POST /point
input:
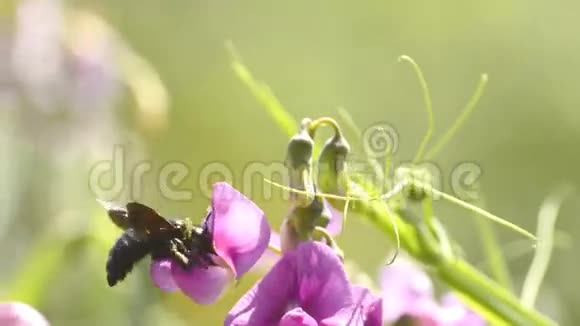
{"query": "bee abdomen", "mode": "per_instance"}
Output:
(124, 254)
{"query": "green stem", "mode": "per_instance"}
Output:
(460, 119)
(494, 254)
(485, 296)
(428, 106)
(477, 290)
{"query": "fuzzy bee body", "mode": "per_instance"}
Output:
(124, 254)
(148, 233)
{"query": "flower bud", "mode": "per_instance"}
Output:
(332, 169)
(419, 182)
(301, 222)
(307, 218)
(299, 164)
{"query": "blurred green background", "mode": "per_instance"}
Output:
(316, 56)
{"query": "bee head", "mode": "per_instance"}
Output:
(187, 228)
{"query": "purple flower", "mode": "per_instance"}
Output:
(307, 287)
(239, 233)
(20, 314)
(408, 296)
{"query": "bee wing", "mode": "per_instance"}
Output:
(117, 214)
(145, 219)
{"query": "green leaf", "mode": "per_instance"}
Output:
(263, 94)
(545, 233)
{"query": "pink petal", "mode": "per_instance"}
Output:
(204, 286)
(405, 287)
(240, 230)
(371, 306)
(323, 288)
(20, 314)
(425, 313)
(161, 275)
(453, 312)
(366, 310)
(275, 240)
(297, 317)
(270, 257)
(266, 302)
(334, 227)
(310, 277)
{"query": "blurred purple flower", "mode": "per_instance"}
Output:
(20, 314)
(38, 58)
(239, 233)
(307, 287)
(92, 65)
(65, 77)
(62, 66)
(454, 312)
(408, 298)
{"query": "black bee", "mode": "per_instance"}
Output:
(148, 233)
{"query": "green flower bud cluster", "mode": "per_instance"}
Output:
(309, 215)
(417, 180)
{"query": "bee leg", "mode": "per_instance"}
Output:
(180, 246)
(183, 260)
(179, 256)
